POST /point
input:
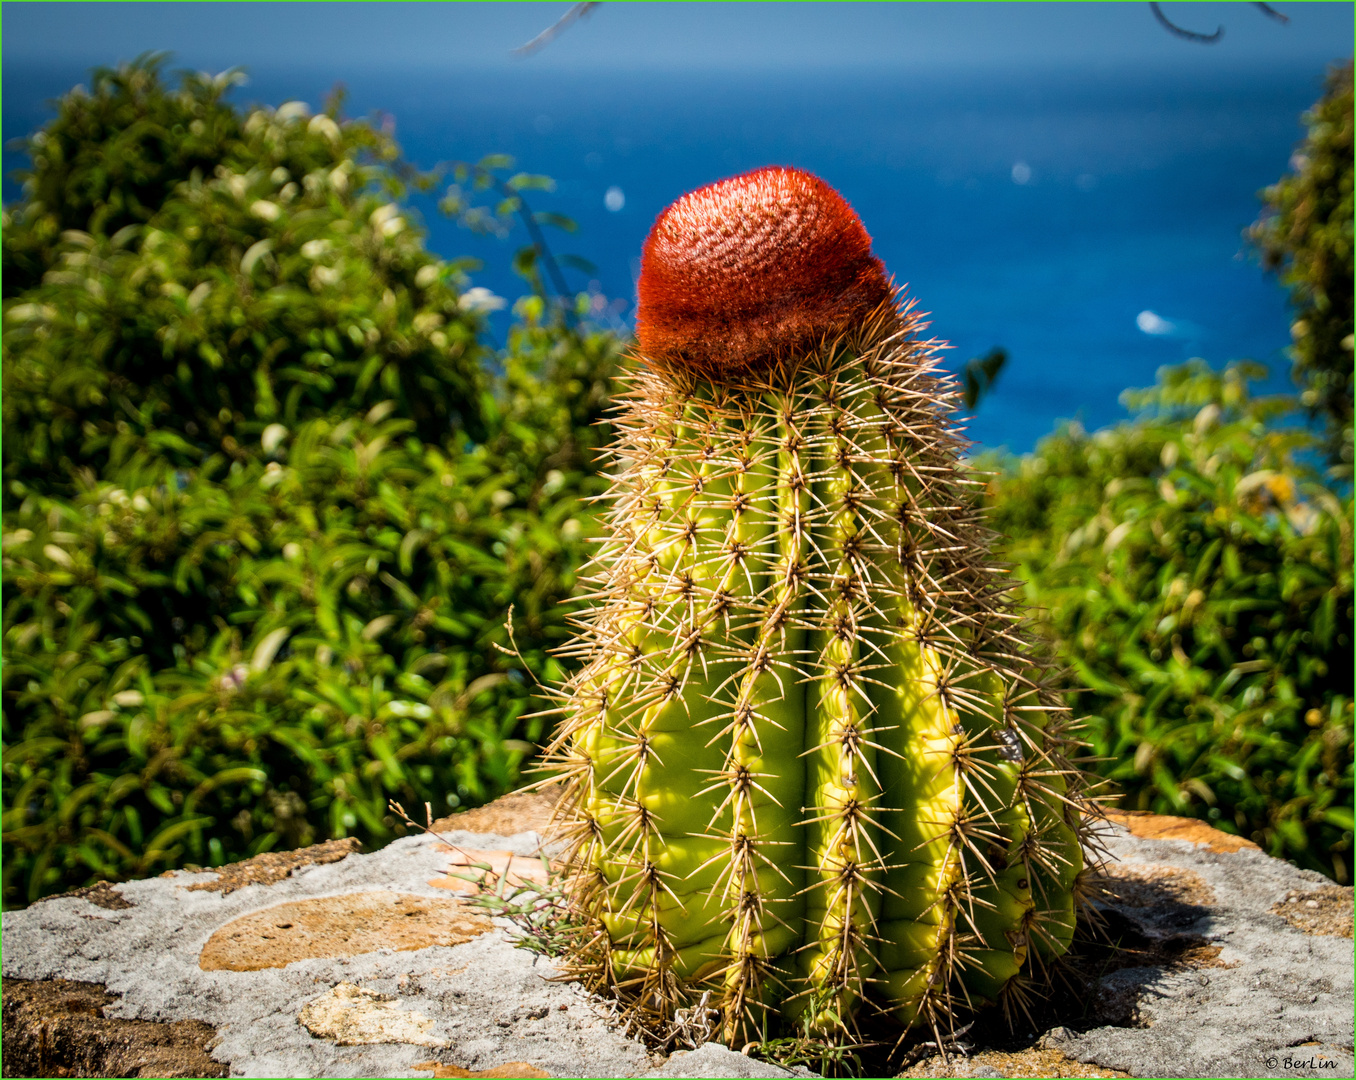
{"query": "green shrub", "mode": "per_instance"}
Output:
(266, 511)
(1306, 235)
(112, 156)
(282, 283)
(353, 592)
(1196, 576)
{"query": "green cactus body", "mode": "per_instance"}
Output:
(811, 762)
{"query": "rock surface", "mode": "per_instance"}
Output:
(1249, 992)
(57, 1028)
(325, 962)
(336, 926)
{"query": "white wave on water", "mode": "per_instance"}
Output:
(1153, 323)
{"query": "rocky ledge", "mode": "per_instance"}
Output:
(1217, 961)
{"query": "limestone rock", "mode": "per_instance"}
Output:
(1227, 963)
(352, 1016)
(1223, 985)
(713, 1059)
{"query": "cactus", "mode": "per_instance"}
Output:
(812, 760)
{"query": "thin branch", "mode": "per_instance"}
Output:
(577, 11)
(1190, 35)
(534, 232)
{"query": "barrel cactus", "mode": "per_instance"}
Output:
(812, 760)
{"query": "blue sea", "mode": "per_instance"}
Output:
(1089, 222)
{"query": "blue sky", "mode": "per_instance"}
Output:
(458, 35)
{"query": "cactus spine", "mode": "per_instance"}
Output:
(811, 759)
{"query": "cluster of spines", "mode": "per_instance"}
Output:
(798, 623)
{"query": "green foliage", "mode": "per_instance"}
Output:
(277, 284)
(112, 157)
(1306, 234)
(1196, 575)
(315, 633)
(265, 511)
(980, 375)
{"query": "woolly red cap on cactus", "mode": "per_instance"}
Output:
(751, 267)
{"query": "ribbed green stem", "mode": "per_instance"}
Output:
(767, 726)
(671, 877)
(809, 765)
(842, 778)
(999, 823)
(919, 766)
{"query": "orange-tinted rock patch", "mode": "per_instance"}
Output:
(518, 811)
(273, 866)
(509, 1069)
(1165, 827)
(471, 870)
(336, 926)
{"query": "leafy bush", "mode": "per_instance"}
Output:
(1196, 575)
(353, 591)
(280, 284)
(1306, 234)
(112, 157)
(265, 509)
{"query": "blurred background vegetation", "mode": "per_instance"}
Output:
(1192, 566)
(269, 499)
(268, 496)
